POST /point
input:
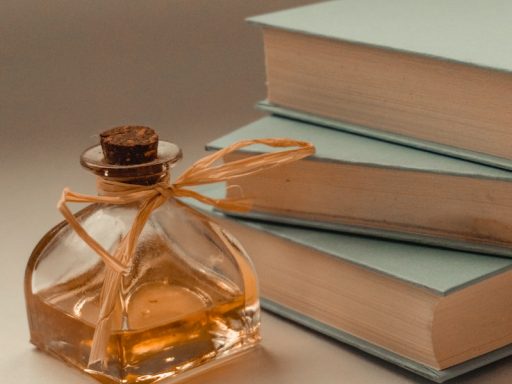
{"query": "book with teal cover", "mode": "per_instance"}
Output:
(438, 270)
(473, 33)
(336, 147)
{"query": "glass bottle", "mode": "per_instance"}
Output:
(189, 300)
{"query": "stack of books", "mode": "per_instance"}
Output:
(396, 236)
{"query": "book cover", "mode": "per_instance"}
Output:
(472, 32)
(433, 186)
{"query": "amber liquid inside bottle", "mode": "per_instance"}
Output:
(169, 317)
(191, 340)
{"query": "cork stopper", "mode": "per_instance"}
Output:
(131, 154)
(129, 145)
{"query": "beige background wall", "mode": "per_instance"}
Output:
(69, 69)
(72, 68)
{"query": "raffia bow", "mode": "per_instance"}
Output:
(153, 196)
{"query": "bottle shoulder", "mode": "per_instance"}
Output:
(175, 234)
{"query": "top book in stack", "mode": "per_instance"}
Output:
(432, 76)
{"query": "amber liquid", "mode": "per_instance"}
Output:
(158, 346)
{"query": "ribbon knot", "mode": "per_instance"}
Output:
(150, 197)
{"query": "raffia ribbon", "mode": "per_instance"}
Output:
(153, 196)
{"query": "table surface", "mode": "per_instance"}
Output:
(192, 69)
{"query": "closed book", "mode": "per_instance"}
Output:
(439, 313)
(432, 74)
(367, 186)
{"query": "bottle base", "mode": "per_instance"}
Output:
(174, 375)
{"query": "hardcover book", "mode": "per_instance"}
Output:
(436, 312)
(429, 74)
(367, 186)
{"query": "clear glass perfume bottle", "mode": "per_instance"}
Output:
(190, 298)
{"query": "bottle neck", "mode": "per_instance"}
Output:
(106, 185)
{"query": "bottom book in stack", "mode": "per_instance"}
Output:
(436, 312)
